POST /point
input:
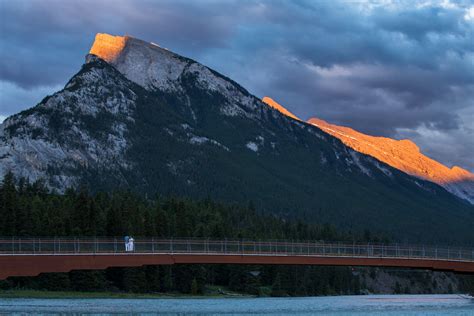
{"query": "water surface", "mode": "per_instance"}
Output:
(337, 305)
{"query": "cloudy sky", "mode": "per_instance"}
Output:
(397, 69)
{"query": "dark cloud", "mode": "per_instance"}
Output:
(397, 69)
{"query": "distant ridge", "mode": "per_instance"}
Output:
(402, 154)
(405, 156)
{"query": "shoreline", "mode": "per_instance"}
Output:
(5, 294)
(40, 294)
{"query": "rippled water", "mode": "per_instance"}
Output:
(337, 305)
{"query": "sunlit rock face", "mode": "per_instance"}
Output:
(272, 103)
(405, 156)
(108, 47)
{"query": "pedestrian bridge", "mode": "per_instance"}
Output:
(32, 256)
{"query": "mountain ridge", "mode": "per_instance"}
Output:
(406, 156)
(403, 155)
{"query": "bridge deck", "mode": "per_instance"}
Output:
(29, 257)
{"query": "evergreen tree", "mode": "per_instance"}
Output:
(277, 289)
(194, 287)
(8, 206)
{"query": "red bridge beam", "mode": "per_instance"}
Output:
(32, 265)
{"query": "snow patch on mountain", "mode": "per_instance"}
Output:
(252, 146)
(199, 140)
(383, 169)
(357, 160)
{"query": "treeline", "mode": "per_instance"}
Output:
(31, 210)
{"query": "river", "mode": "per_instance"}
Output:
(335, 305)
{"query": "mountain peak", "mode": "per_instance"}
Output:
(108, 47)
(409, 145)
(462, 172)
(273, 104)
(144, 63)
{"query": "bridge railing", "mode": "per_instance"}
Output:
(60, 246)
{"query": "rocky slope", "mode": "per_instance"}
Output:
(139, 117)
(403, 155)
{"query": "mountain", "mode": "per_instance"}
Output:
(403, 155)
(139, 117)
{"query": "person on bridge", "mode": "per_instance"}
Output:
(131, 244)
(127, 243)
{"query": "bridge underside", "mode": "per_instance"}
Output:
(32, 265)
